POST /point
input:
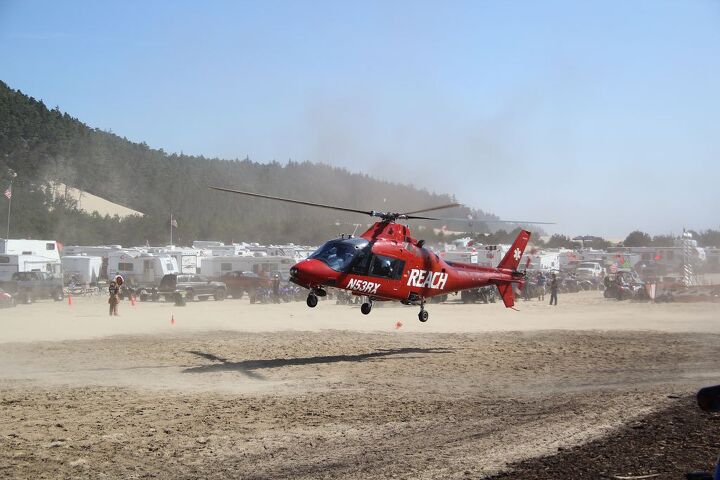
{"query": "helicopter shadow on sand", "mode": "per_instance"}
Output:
(249, 367)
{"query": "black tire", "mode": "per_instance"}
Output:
(58, 295)
(237, 294)
(365, 308)
(219, 295)
(312, 300)
(423, 316)
(190, 295)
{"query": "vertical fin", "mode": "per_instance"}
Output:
(511, 260)
(506, 292)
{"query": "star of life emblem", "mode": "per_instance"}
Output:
(517, 254)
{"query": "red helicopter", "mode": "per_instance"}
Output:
(387, 263)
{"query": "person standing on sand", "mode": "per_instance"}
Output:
(276, 288)
(541, 286)
(553, 290)
(114, 299)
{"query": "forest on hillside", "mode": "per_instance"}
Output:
(43, 145)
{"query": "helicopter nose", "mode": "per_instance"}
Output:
(310, 273)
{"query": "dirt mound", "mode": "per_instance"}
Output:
(665, 445)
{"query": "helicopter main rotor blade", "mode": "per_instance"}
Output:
(477, 220)
(430, 209)
(289, 200)
(418, 217)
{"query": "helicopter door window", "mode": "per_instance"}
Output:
(361, 262)
(386, 267)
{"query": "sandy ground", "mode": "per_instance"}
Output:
(92, 203)
(234, 390)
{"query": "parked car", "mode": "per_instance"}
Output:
(239, 283)
(192, 286)
(6, 300)
(29, 286)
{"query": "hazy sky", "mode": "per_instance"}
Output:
(602, 116)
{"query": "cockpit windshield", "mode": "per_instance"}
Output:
(339, 254)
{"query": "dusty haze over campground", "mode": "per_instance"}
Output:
(601, 116)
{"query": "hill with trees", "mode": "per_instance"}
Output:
(45, 145)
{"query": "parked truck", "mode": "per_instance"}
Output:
(191, 287)
(27, 287)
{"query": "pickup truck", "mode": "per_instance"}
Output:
(244, 282)
(192, 286)
(589, 271)
(29, 286)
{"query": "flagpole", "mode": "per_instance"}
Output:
(7, 234)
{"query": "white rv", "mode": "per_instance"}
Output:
(219, 249)
(139, 268)
(82, 268)
(21, 255)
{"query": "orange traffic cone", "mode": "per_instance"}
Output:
(398, 325)
(69, 299)
(172, 320)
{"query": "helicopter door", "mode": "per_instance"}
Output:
(388, 268)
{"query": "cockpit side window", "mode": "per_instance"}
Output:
(340, 254)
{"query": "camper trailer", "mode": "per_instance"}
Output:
(490, 255)
(139, 268)
(545, 261)
(462, 256)
(94, 251)
(82, 269)
(188, 259)
(20, 255)
(13, 263)
(216, 267)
